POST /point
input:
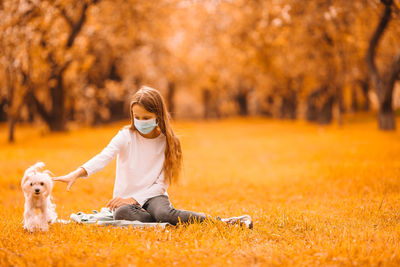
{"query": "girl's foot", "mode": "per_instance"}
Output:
(244, 220)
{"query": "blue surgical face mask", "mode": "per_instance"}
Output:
(145, 126)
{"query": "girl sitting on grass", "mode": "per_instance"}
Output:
(149, 158)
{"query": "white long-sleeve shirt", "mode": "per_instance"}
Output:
(139, 172)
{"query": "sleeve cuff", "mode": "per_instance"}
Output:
(88, 171)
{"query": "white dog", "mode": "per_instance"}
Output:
(37, 187)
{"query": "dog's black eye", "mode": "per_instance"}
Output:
(31, 184)
(41, 183)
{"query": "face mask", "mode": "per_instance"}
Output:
(145, 126)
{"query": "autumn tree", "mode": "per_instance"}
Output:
(383, 82)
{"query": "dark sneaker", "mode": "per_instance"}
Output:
(244, 220)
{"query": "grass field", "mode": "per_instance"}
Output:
(318, 196)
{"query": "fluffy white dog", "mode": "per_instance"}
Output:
(37, 187)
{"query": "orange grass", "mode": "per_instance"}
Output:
(318, 195)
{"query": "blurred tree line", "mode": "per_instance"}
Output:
(80, 60)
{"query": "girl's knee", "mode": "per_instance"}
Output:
(132, 213)
(122, 213)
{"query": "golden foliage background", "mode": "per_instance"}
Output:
(79, 60)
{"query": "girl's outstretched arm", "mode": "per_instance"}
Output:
(98, 162)
(71, 177)
(95, 164)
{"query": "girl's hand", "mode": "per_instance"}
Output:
(69, 179)
(119, 201)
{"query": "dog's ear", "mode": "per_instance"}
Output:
(49, 180)
(25, 179)
(49, 186)
(46, 192)
(25, 185)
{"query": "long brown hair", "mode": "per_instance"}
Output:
(151, 100)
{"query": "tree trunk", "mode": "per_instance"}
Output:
(241, 99)
(386, 118)
(354, 100)
(365, 89)
(339, 102)
(170, 98)
(11, 129)
(57, 125)
(383, 84)
(57, 116)
(116, 108)
(311, 112)
(206, 103)
(3, 107)
(325, 114)
(317, 111)
(289, 106)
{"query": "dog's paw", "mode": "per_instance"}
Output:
(44, 227)
(31, 227)
(51, 218)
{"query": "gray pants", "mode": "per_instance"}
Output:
(157, 209)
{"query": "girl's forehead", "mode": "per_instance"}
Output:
(138, 110)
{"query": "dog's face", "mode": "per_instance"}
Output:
(37, 185)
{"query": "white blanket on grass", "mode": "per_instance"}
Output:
(105, 217)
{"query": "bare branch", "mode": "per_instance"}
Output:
(63, 68)
(66, 17)
(76, 28)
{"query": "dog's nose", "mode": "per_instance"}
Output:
(37, 190)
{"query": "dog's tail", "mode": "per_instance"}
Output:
(32, 169)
